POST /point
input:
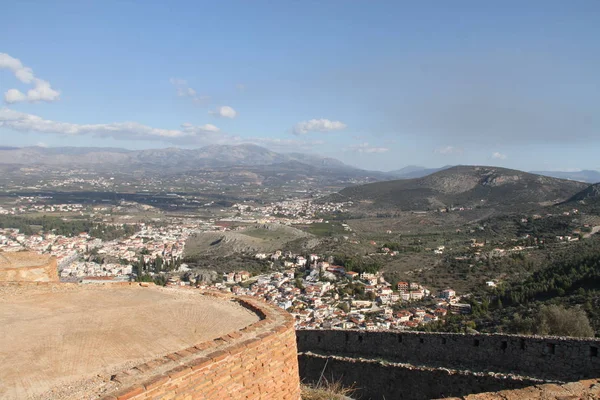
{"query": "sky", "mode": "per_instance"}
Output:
(376, 84)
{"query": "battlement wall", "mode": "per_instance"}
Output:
(258, 361)
(557, 358)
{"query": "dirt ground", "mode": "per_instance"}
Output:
(53, 337)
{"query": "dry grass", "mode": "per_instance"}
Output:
(327, 391)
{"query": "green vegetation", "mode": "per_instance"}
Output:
(560, 298)
(356, 264)
(236, 262)
(554, 320)
(31, 225)
(580, 269)
(326, 229)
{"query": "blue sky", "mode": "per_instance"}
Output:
(377, 84)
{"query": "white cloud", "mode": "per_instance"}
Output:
(41, 91)
(366, 148)
(317, 125)
(189, 128)
(446, 150)
(23, 122)
(187, 134)
(184, 90)
(498, 156)
(224, 112)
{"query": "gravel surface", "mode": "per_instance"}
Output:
(58, 339)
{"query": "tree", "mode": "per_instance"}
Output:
(559, 321)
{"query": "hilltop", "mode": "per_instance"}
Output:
(463, 186)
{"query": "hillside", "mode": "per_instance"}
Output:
(463, 186)
(589, 195)
(413, 171)
(589, 176)
(587, 200)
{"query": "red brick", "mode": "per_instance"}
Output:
(130, 392)
(179, 371)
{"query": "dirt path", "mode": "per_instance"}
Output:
(595, 230)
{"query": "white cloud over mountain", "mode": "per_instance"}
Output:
(447, 150)
(367, 148)
(41, 91)
(187, 134)
(317, 125)
(23, 122)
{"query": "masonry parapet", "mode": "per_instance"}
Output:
(559, 358)
(253, 352)
(257, 361)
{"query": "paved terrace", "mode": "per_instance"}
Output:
(56, 339)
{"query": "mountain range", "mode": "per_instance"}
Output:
(231, 162)
(174, 160)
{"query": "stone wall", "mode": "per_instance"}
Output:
(375, 379)
(27, 267)
(563, 359)
(259, 361)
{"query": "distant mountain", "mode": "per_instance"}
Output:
(171, 161)
(467, 186)
(209, 156)
(589, 176)
(414, 171)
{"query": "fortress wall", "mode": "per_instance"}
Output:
(259, 361)
(373, 379)
(564, 359)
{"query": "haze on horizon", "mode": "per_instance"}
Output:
(377, 85)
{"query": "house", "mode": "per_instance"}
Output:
(301, 261)
(367, 275)
(416, 294)
(448, 294)
(229, 277)
(440, 312)
(402, 286)
(460, 308)
(351, 275)
(403, 315)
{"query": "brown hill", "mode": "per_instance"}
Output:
(464, 186)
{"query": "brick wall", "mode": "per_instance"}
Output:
(257, 362)
(564, 359)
